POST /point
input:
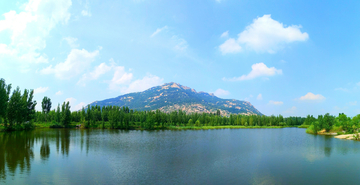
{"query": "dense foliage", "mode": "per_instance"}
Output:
(46, 105)
(331, 123)
(125, 118)
(16, 111)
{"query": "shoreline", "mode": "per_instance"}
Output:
(338, 136)
(99, 126)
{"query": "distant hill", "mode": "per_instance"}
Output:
(173, 96)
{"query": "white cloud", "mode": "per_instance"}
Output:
(159, 30)
(358, 84)
(41, 90)
(259, 97)
(265, 35)
(98, 71)
(143, 84)
(311, 96)
(225, 34)
(70, 100)
(71, 41)
(79, 106)
(29, 29)
(275, 102)
(73, 105)
(221, 92)
(120, 78)
(59, 93)
(258, 70)
(230, 46)
(76, 62)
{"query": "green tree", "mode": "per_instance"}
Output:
(328, 122)
(65, 114)
(197, 123)
(242, 121)
(21, 109)
(316, 127)
(88, 117)
(46, 106)
(58, 114)
(113, 118)
(4, 98)
(29, 105)
(14, 109)
(251, 121)
(191, 122)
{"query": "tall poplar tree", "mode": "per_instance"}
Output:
(4, 98)
(46, 106)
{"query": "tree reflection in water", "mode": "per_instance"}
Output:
(17, 148)
(45, 149)
(16, 152)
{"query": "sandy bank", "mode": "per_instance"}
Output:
(345, 136)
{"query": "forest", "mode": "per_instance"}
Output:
(341, 124)
(17, 112)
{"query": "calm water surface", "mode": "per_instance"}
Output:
(227, 156)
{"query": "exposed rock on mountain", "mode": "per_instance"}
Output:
(173, 96)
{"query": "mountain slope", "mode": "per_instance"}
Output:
(173, 96)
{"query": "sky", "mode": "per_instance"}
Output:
(292, 58)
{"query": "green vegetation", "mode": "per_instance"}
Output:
(16, 111)
(332, 124)
(304, 126)
(115, 117)
(218, 127)
(310, 129)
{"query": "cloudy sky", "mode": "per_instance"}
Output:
(285, 57)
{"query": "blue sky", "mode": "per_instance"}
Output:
(285, 57)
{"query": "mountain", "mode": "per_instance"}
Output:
(173, 96)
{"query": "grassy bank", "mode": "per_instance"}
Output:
(218, 127)
(53, 125)
(304, 126)
(107, 125)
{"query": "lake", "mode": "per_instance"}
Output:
(224, 156)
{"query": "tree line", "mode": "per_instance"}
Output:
(329, 123)
(17, 111)
(125, 118)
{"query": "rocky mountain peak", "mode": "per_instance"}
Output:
(174, 96)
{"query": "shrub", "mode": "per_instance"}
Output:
(311, 130)
(336, 129)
